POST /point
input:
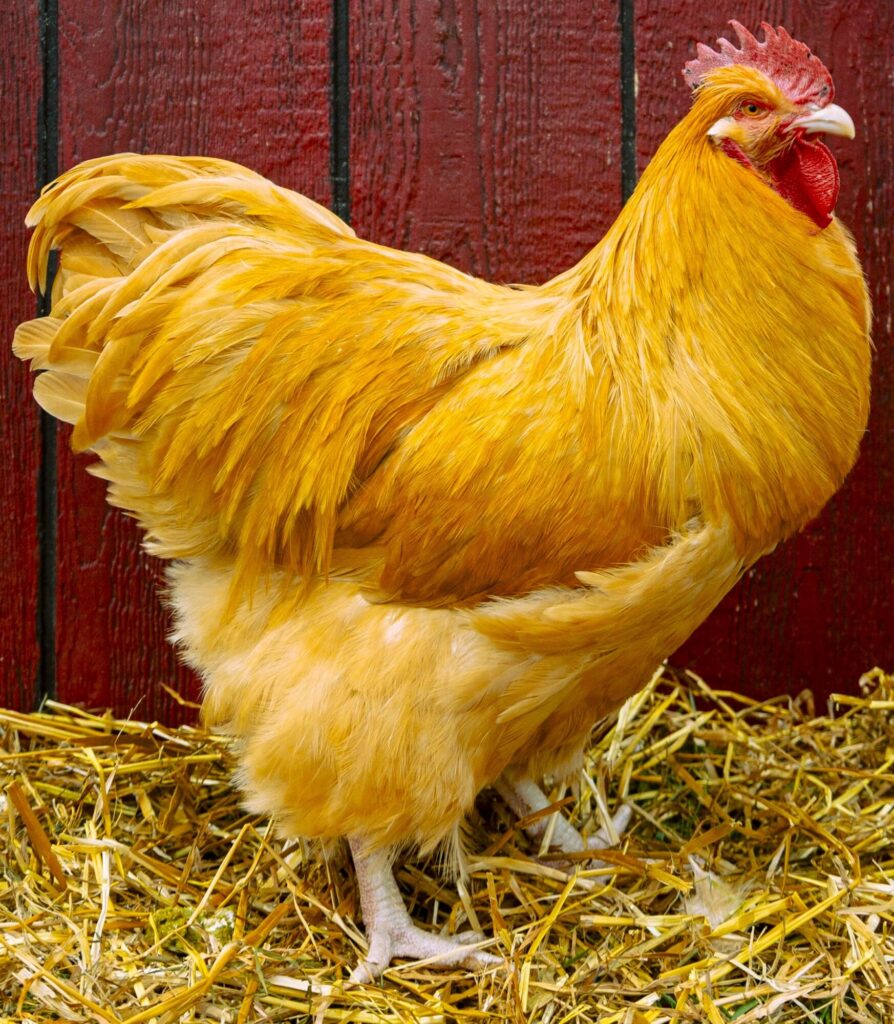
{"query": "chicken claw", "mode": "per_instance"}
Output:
(390, 930)
(525, 797)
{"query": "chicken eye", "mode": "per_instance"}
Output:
(751, 109)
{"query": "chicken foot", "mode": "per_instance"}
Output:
(525, 797)
(390, 930)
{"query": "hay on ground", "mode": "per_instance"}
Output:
(755, 884)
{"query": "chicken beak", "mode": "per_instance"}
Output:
(833, 120)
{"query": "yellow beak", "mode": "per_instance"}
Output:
(833, 120)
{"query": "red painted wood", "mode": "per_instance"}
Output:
(486, 135)
(483, 134)
(817, 612)
(19, 425)
(244, 81)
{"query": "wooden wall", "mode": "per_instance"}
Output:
(500, 136)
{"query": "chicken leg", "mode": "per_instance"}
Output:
(525, 797)
(390, 930)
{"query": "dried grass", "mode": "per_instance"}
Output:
(756, 884)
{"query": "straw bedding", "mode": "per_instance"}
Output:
(756, 883)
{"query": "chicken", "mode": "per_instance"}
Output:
(423, 530)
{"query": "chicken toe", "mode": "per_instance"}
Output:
(525, 797)
(607, 837)
(390, 930)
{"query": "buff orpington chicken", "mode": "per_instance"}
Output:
(423, 530)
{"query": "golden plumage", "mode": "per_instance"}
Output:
(349, 452)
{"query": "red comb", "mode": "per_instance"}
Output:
(790, 64)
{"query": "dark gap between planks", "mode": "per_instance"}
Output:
(626, 19)
(47, 170)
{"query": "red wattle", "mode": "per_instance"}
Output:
(806, 175)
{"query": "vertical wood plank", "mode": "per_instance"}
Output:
(486, 135)
(244, 81)
(817, 612)
(19, 426)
